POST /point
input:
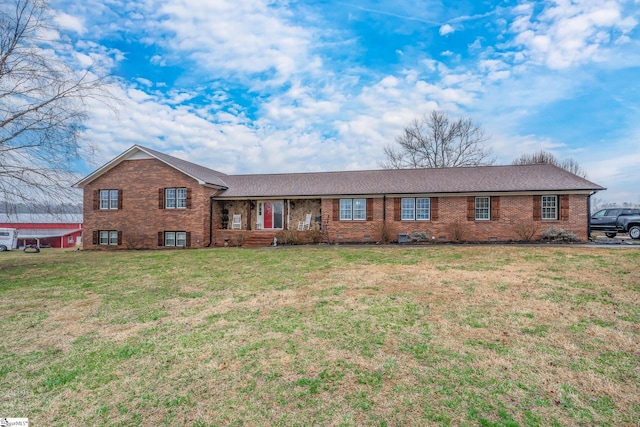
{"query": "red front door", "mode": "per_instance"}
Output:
(268, 215)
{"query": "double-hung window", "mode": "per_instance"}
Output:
(418, 208)
(483, 208)
(175, 239)
(108, 237)
(549, 207)
(353, 209)
(108, 199)
(175, 198)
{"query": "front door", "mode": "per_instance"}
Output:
(271, 215)
(268, 215)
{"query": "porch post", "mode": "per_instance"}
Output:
(249, 215)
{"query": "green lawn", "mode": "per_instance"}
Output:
(331, 336)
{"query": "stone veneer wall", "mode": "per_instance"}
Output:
(302, 207)
(299, 208)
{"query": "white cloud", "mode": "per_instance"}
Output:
(230, 37)
(476, 45)
(68, 22)
(446, 29)
(568, 33)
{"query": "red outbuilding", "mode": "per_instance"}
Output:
(45, 230)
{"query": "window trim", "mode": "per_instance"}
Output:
(108, 238)
(177, 202)
(110, 201)
(415, 209)
(348, 213)
(555, 208)
(177, 237)
(480, 209)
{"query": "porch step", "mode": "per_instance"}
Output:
(258, 240)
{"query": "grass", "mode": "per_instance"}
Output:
(337, 336)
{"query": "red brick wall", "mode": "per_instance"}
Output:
(140, 218)
(452, 223)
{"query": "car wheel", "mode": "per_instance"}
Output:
(3, 248)
(634, 232)
(610, 235)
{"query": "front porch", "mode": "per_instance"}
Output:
(266, 215)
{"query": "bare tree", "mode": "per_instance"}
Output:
(542, 156)
(435, 141)
(43, 103)
(596, 204)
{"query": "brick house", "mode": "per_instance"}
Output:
(147, 199)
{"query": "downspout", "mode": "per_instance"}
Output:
(589, 215)
(384, 208)
(210, 222)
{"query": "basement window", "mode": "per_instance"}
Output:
(175, 239)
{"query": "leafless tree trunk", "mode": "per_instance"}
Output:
(542, 156)
(43, 103)
(435, 141)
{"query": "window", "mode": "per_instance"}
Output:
(408, 209)
(483, 208)
(353, 209)
(416, 209)
(175, 198)
(549, 207)
(359, 209)
(175, 239)
(108, 199)
(345, 209)
(108, 237)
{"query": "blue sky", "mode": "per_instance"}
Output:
(258, 86)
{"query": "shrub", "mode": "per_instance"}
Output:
(525, 230)
(419, 237)
(288, 237)
(385, 232)
(458, 230)
(554, 234)
(134, 242)
(315, 235)
(238, 239)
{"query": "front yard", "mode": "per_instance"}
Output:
(431, 335)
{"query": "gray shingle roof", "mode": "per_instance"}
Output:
(483, 179)
(201, 174)
(206, 175)
(539, 177)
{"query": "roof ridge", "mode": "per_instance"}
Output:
(389, 170)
